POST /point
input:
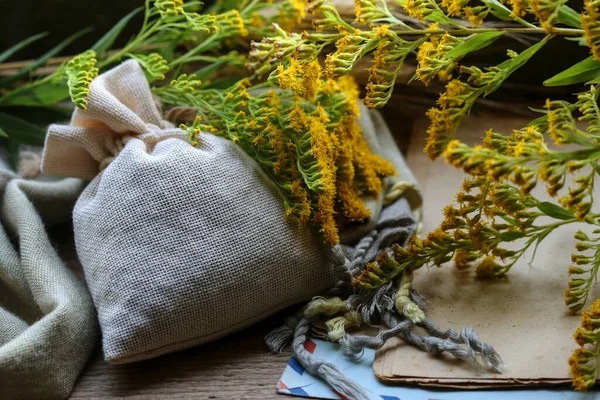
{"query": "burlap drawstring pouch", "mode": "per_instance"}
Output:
(48, 326)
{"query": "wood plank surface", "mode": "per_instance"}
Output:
(236, 367)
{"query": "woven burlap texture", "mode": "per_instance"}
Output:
(48, 326)
(179, 245)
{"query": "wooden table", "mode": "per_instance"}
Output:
(236, 367)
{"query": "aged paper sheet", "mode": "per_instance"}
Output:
(523, 316)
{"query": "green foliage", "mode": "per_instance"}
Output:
(6, 54)
(583, 71)
(21, 130)
(105, 42)
(25, 71)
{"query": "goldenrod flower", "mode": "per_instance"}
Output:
(476, 15)
(170, 8)
(420, 8)
(584, 361)
(453, 106)
(154, 64)
(316, 156)
(546, 11)
(455, 7)
(289, 77)
(80, 71)
(367, 11)
(588, 107)
(590, 20)
(519, 7)
(349, 50)
(433, 60)
(230, 23)
(311, 80)
(291, 13)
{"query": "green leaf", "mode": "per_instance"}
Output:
(2, 133)
(471, 44)
(498, 9)
(510, 236)
(42, 60)
(169, 52)
(539, 239)
(204, 73)
(106, 41)
(512, 65)
(568, 16)
(21, 130)
(38, 93)
(474, 43)
(581, 41)
(41, 116)
(543, 120)
(593, 81)
(555, 211)
(580, 72)
(6, 54)
(13, 153)
(440, 18)
(539, 110)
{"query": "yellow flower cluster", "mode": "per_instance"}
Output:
(154, 64)
(582, 272)
(420, 9)
(584, 361)
(476, 15)
(348, 51)
(316, 155)
(453, 106)
(80, 71)
(432, 57)
(455, 8)
(521, 158)
(590, 113)
(367, 11)
(169, 8)
(590, 19)
(519, 7)
(292, 13)
(302, 79)
(546, 11)
(230, 23)
(386, 268)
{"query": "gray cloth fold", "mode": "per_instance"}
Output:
(48, 325)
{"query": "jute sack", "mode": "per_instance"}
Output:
(180, 245)
(48, 326)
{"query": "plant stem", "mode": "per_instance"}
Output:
(466, 31)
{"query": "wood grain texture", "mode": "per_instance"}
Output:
(236, 367)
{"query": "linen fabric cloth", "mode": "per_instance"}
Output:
(48, 326)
